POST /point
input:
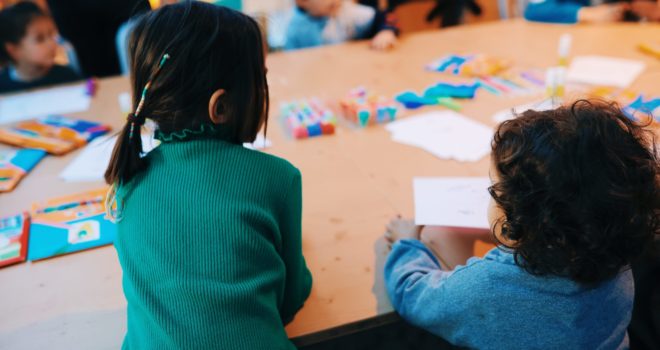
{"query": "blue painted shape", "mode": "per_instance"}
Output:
(412, 101)
(451, 62)
(451, 90)
(643, 106)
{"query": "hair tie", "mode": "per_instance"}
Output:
(136, 118)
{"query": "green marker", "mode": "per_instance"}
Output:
(449, 103)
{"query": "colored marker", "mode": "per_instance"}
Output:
(509, 84)
(497, 86)
(532, 79)
(449, 103)
(70, 205)
(649, 49)
(90, 87)
(488, 88)
(564, 48)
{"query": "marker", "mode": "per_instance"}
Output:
(488, 88)
(564, 48)
(90, 87)
(649, 49)
(70, 205)
(364, 108)
(555, 82)
(531, 78)
(307, 118)
(25, 132)
(449, 103)
(508, 83)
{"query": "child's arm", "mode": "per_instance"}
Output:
(450, 246)
(421, 292)
(553, 11)
(453, 246)
(649, 10)
(558, 11)
(298, 277)
(385, 31)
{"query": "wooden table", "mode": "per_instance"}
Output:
(353, 182)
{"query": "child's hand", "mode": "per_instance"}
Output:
(384, 40)
(649, 10)
(402, 229)
(602, 13)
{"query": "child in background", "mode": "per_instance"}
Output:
(323, 22)
(574, 11)
(574, 202)
(209, 232)
(28, 38)
(646, 10)
(591, 11)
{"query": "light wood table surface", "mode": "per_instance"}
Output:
(353, 182)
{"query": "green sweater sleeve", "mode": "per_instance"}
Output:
(298, 277)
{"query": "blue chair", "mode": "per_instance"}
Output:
(121, 40)
(71, 55)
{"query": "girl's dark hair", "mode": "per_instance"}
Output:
(579, 189)
(209, 47)
(14, 21)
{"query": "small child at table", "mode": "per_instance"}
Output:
(209, 233)
(324, 22)
(28, 47)
(574, 201)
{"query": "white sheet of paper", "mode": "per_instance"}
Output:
(91, 163)
(445, 134)
(603, 70)
(509, 113)
(452, 201)
(41, 103)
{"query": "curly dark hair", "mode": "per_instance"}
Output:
(579, 189)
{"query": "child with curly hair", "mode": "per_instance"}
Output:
(574, 202)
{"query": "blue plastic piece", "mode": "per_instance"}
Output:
(314, 130)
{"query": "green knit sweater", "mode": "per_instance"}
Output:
(210, 246)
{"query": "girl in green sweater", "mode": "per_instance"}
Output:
(209, 232)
